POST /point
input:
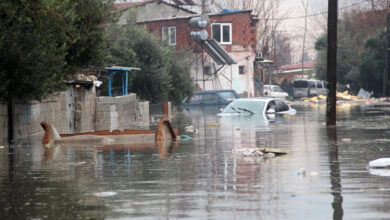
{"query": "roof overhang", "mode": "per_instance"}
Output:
(121, 68)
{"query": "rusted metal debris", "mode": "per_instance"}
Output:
(129, 139)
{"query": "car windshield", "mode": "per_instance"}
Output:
(250, 106)
(227, 95)
(300, 84)
(276, 89)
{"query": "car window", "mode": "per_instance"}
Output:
(319, 84)
(325, 84)
(227, 95)
(277, 89)
(300, 84)
(271, 105)
(281, 106)
(209, 97)
(312, 84)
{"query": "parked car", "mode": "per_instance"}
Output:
(274, 91)
(309, 87)
(257, 106)
(211, 97)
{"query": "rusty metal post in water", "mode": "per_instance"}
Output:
(331, 64)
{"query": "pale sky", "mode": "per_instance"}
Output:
(317, 21)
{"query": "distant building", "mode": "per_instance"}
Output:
(292, 71)
(224, 61)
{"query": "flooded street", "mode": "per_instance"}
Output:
(324, 176)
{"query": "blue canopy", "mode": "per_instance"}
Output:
(112, 70)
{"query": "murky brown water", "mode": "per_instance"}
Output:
(203, 179)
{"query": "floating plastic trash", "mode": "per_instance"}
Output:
(380, 163)
(300, 172)
(380, 172)
(105, 194)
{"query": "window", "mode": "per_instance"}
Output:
(207, 70)
(227, 95)
(222, 33)
(281, 106)
(241, 70)
(169, 35)
(210, 97)
(319, 84)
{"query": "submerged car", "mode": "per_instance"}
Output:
(274, 91)
(257, 106)
(211, 97)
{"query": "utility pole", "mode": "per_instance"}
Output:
(332, 63)
(203, 7)
(387, 55)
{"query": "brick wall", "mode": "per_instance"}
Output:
(244, 32)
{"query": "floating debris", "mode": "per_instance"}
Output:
(105, 194)
(190, 129)
(300, 172)
(380, 172)
(260, 152)
(213, 125)
(346, 139)
(380, 163)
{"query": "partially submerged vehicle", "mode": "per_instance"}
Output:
(257, 106)
(211, 97)
(133, 138)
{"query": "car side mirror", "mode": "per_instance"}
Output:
(271, 111)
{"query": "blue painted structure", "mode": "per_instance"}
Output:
(112, 70)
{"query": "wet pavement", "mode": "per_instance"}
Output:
(324, 176)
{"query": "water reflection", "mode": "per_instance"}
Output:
(201, 178)
(335, 179)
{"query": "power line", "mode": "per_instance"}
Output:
(313, 15)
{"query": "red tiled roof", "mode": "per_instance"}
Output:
(121, 6)
(306, 65)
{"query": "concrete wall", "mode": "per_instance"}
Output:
(124, 112)
(76, 110)
(229, 77)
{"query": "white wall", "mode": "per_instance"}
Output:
(230, 77)
(153, 11)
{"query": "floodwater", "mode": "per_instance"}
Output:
(201, 177)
